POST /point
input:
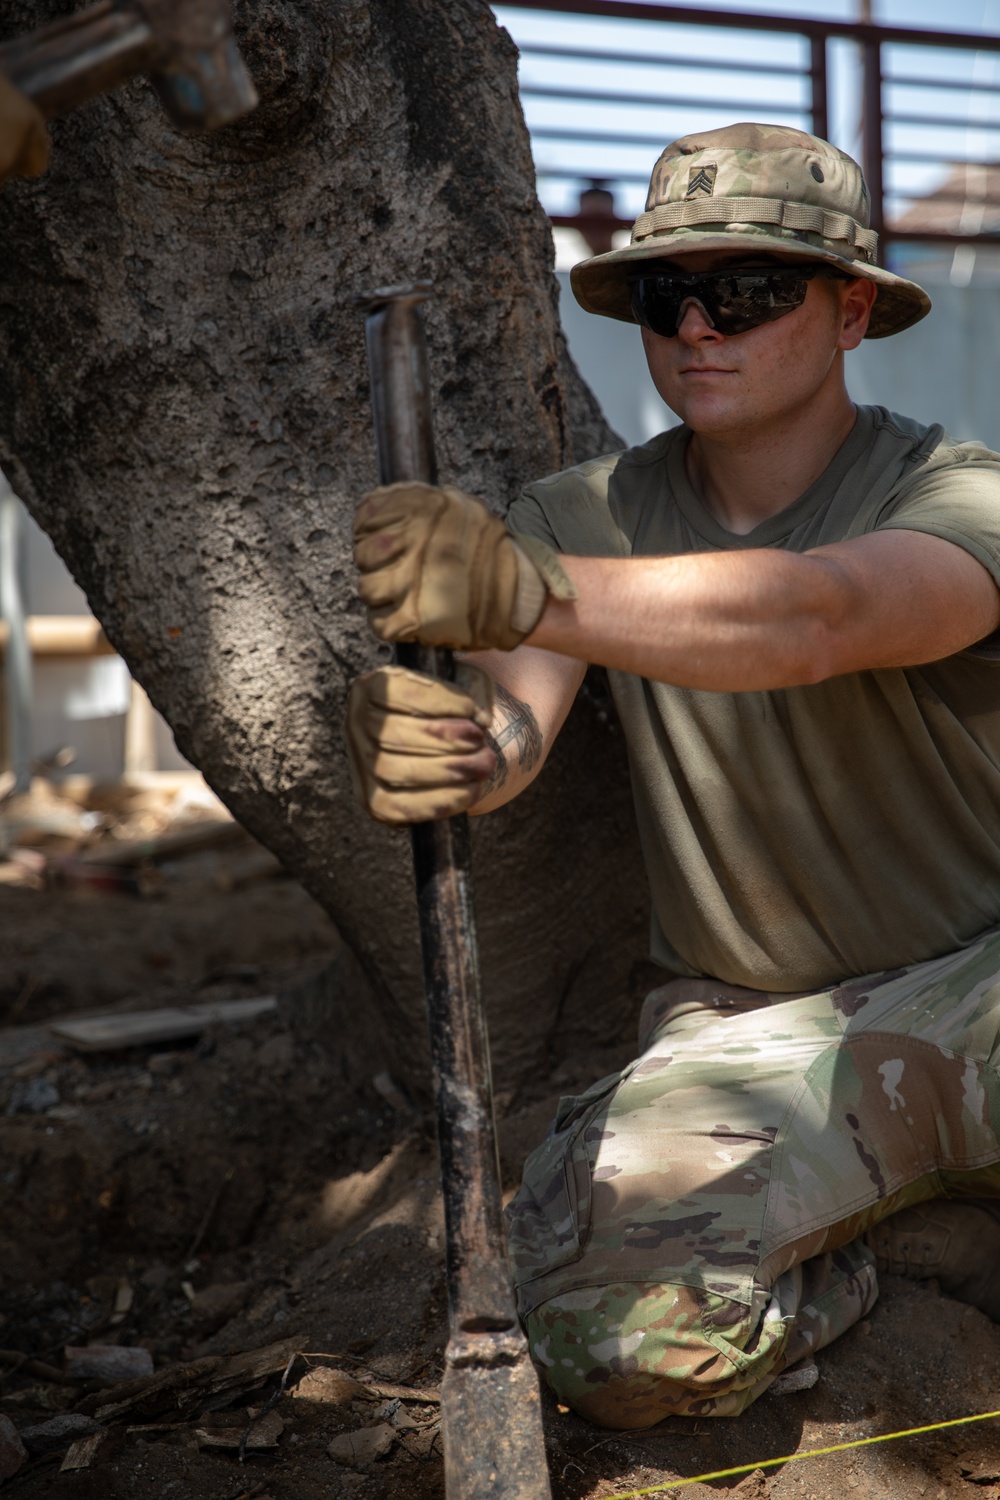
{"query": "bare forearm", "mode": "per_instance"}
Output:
(763, 618)
(532, 694)
(516, 740)
(720, 621)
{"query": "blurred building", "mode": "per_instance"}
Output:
(965, 203)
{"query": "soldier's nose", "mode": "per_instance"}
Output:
(694, 320)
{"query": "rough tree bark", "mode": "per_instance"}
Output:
(184, 408)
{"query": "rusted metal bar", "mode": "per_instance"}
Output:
(596, 96)
(589, 224)
(871, 145)
(938, 158)
(604, 56)
(965, 86)
(951, 122)
(494, 1447)
(818, 79)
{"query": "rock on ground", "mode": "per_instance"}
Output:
(13, 1453)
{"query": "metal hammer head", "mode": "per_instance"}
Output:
(198, 72)
(186, 46)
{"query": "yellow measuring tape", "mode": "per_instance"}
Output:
(793, 1458)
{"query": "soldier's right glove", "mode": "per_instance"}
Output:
(411, 759)
(24, 140)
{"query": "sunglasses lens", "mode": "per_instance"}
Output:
(735, 301)
(655, 304)
(748, 301)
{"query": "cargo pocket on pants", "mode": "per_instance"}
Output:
(549, 1217)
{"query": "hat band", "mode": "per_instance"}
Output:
(799, 216)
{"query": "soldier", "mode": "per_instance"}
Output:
(797, 604)
(24, 140)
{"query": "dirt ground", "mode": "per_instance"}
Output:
(232, 1195)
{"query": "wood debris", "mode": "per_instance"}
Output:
(213, 833)
(164, 1392)
(104, 1033)
(241, 1371)
(263, 1432)
(182, 1388)
(388, 1392)
(41, 818)
(82, 1454)
(424, 1442)
(72, 831)
(124, 1299)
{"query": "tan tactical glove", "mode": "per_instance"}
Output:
(437, 567)
(407, 765)
(24, 140)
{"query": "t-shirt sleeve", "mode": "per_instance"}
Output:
(527, 517)
(570, 511)
(958, 501)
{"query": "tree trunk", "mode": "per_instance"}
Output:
(184, 409)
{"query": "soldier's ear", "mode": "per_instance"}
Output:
(857, 298)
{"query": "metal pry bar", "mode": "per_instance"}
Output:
(494, 1446)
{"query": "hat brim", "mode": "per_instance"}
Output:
(601, 285)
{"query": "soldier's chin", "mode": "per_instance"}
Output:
(711, 414)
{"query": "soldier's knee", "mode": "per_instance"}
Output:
(628, 1356)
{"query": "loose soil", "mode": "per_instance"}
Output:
(238, 1193)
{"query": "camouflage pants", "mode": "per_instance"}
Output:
(692, 1225)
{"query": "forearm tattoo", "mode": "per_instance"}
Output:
(513, 724)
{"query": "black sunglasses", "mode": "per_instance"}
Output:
(733, 300)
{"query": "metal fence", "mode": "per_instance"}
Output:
(925, 110)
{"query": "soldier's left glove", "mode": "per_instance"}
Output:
(416, 744)
(436, 566)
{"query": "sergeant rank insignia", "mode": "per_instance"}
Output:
(701, 183)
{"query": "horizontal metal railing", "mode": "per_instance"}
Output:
(894, 60)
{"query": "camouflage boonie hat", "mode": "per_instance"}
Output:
(754, 187)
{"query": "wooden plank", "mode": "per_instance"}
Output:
(63, 635)
(140, 733)
(209, 833)
(108, 1032)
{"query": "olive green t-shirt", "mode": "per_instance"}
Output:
(794, 838)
